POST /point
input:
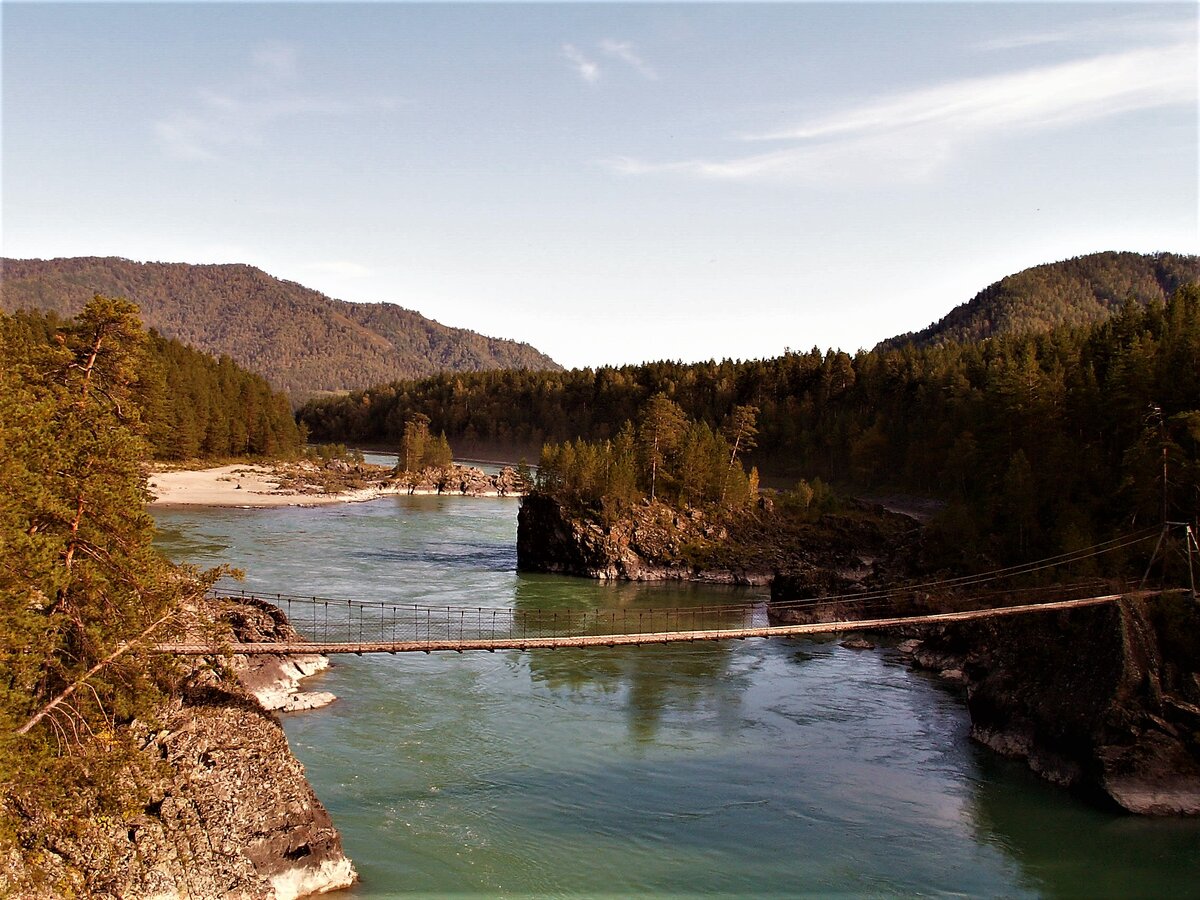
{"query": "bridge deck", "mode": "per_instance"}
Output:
(553, 642)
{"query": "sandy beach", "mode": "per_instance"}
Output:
(241, 485)
(247, 486)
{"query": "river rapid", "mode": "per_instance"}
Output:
(748, 768)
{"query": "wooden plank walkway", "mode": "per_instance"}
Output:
(619, 640)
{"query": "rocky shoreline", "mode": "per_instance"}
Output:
(274, 681)
(1103, 700)
(225, 808)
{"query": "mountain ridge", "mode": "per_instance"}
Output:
(302, 340)
(1080, 290)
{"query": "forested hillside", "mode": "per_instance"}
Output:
(1051, 440)
(189, 405)
(1076, 291)
(301, 340)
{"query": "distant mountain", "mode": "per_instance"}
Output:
(1072, 292)
(302, 341)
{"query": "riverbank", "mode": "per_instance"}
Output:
(243, 485)
(213, 802)
(247, 485)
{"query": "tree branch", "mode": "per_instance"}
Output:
(122, 648)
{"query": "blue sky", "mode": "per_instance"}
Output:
(614, 182)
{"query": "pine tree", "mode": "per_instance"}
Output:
(437, 453)
(414, 442)
(663, 424)
(740, 431)
(83, 593)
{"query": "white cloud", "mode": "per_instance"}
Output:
(216, 121)
(623, 50)
(1054, 95)
(909, 136)
(585, 68)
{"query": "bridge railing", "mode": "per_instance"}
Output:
(335, 621)
(331, 621)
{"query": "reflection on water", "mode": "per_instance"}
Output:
(1076, 850)
(682, 677)
(744, 768)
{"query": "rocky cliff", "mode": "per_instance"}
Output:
(222, 810)
(1105, 700)
(653, 542)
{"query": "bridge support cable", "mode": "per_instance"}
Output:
(967, 581)
(530, 642)
(329, 622)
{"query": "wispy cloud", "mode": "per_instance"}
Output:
(1122, 28)
(277, 59)
(909, 136)
(217, 120)
(585, 68)
(623, 50)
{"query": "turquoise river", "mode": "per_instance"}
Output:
(750, 769)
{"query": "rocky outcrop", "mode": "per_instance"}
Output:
(652, 543)
(222, 808)
(274, 680)
(467, 481)
(226, 812)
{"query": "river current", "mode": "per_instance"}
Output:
(748, 768)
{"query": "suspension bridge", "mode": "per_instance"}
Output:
(321, 625)
(381, 628)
